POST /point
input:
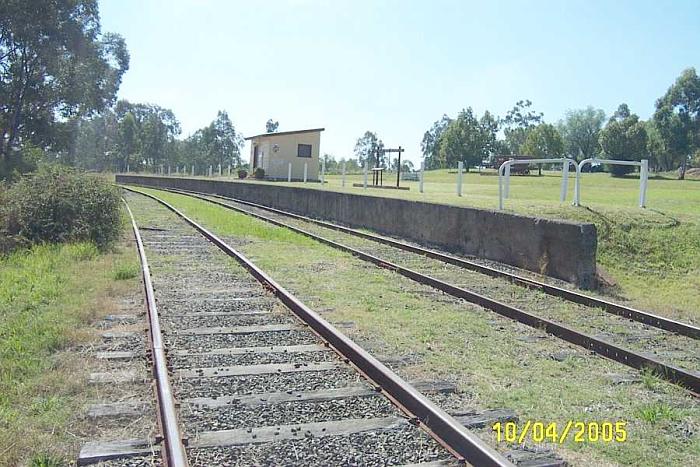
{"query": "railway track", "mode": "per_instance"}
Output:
(629, 336)
(246, 374)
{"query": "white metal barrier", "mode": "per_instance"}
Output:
(504, 173)
(643, 177)
(460, 168)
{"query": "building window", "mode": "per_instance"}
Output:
(304, 150)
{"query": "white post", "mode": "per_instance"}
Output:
(364, 183)
(228, 171)
(343, 182)
(127, 168)
(210, 170)
(168, 170)
(289, 172)
(323, 171)
(193, 170)
(564, 181)
(460, 167)
(177, 170)
(506, 190)
(643, 178)
(219, 170)
(306, 170)
(422, 174)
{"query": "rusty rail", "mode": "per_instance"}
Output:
(174, 454)
(687, 379)
(446, 430)
(645, 317)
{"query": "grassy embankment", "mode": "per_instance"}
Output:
(652, 254)
(49, 297)
(491, 358)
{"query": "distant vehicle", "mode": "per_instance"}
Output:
(517, 169)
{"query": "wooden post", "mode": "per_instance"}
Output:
(398, 167)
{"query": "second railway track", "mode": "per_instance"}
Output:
(629, 336)
(258, 384)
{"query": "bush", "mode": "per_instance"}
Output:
(58, 204)
(259, 173)
(242, 174)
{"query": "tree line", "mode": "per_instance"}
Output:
(669, 140)
(59, 75)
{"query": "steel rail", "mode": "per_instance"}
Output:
(687, 379)
(444, 428)
(644, 317)
(174, 454)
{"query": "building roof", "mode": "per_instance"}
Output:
(281, 133)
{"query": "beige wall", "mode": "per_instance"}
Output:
(276, 163)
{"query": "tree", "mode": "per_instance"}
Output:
(659, 157)
(677, 118)
(128, 142)
(467, 139)
(366, 149)
(580, 130)
(517, 124)
(55, 65)
(431, 142)
(623, 138)
(543, 142)
(271, 126)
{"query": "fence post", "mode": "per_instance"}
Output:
(343, 182)
(306, 170)
(643, 178)
(289, 172)
(506, 190)
(219, 170)
(422, 174)
(193, 170)
(564, 181)
(364, 183)
(460, 167)
(323, 171)
(127, 168)
(168, 170)
(228, 171)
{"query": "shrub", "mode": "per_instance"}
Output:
(259, 173)
(57, 204)
(242, 174)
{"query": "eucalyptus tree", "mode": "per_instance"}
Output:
(366, 149)
(623, 138)
(677, 118)
(580, 130)
(55, 66)
(517, 124)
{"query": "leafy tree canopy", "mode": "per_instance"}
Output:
(366, 148)
(623, 138)
(55, 66)
(271, 126)
(580, 130)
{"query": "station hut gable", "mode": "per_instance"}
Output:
(274, 151)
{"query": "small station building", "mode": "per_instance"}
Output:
(274, 151)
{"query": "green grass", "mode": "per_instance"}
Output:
(50, 294)
(125, 271)
(653, 254)
(480, 351)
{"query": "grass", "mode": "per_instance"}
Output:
(49, 297)
(486, 355)
(652, 255)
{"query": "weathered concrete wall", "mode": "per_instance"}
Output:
(564, 250)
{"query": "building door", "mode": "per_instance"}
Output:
(255, 157)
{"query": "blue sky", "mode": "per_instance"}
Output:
(394, 67)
